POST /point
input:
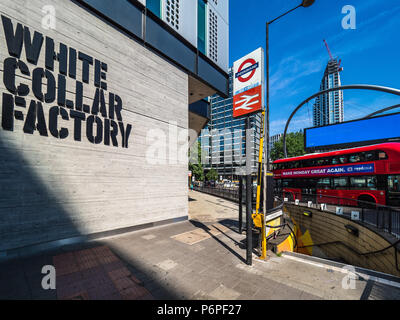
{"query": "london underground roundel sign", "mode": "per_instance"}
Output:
(244, 69)
(248, 86)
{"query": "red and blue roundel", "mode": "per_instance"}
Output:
(250, 69)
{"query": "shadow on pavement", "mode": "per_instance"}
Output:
(231, 224)
(201, 225)
(21, 279)
(234, 226)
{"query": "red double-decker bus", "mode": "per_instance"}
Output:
(347, 177)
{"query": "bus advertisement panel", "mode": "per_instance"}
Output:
(361, 168)
(354, 133)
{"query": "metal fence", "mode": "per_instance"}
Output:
(231, 194)
(382, 217)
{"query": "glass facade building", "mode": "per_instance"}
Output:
(328, 108)
(223, 140)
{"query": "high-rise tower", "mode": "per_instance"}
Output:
(328, 107)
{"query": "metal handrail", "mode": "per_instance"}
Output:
(394, 245)
(349, 199)
(282, 226)
(383, 215)
(279, 207)
(357, 252)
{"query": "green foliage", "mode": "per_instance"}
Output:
(212, 175)
(197, 168)
(294, 146)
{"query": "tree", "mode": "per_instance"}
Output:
(197, 168)
(212, 175)
(294, 146)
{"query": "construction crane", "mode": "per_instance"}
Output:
(331, 56)
(329, 50)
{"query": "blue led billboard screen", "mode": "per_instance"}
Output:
(354, 133)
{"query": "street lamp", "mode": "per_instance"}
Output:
(305, 4)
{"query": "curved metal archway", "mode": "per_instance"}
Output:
(382, 110)
(347, 87)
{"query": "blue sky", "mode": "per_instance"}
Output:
(298, 57)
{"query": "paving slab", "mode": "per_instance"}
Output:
(224, 293)
(156, 264)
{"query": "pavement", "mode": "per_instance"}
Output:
(203, 258)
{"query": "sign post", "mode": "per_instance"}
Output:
(240, 204)
(248, 98)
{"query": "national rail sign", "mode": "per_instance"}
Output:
(248, 84)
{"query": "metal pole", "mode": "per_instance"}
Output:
(240, 204)
(284, 14)
(249, 195)
(382, 111)
(266, 139)
(266, 121)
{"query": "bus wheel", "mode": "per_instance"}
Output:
(367, 202)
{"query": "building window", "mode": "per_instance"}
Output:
(155, 7)
(201, 26)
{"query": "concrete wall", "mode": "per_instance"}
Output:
(52, 188)
(327, 227)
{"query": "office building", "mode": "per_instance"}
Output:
(224, 140)
(273, 139)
